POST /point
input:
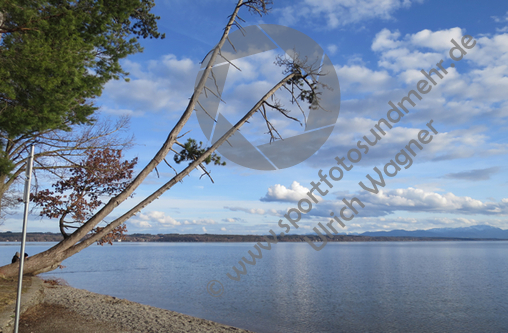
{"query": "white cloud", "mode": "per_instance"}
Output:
(404, 59)
(359, 78)
(412, 51)
(500, 19)
(434, 40)
(159, 217)
(199, 222)
(473, 92)
(407, 55)
(490, 51)
(386, 40)
(255, 211)
(204, 230)
(233, 220)
(223, 229)
(387, 204)
(339, 13)
(455, 144)
(418, 200)
(281, 193)
(486, 82)
(332, 49)
(140, 224)
(160, 84)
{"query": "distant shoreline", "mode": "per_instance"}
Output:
(7, 237)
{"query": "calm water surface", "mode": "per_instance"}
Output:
(346, 287)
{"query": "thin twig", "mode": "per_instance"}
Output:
(184, 134)
(231, 44)
(206, 111)
(169, 165)
(223, 57)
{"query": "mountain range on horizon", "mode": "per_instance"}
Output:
(476, 231)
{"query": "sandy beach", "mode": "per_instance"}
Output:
(66, 309)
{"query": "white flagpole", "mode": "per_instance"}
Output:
(26, 200)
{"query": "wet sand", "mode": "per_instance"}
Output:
(66, 309)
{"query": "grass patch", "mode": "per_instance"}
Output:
(9, 289)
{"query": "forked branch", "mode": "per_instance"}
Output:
(78, 247)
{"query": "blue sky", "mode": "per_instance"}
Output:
(378, 48)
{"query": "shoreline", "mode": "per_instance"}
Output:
(380, 236)
(65, 305)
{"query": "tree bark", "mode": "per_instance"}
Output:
(1, 22)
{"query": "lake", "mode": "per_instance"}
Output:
(346, 287)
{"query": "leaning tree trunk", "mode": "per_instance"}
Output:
(1, 22)
(40, 263)
(51, 258)
(2, 182)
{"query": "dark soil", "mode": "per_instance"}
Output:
(50, 318)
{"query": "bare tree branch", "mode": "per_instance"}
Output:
(297, 73)
(156, 194)
(158, 158)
